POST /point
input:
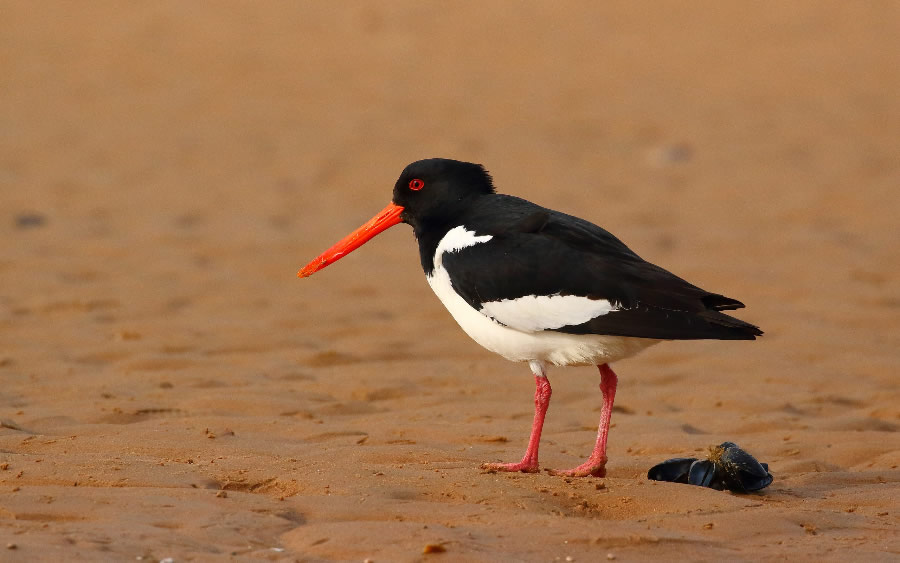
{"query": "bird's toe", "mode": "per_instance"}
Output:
(590, 468)
(521, 467)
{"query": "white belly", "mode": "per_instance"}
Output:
(555, 348)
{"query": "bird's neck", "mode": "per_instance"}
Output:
(430, 230)
(428, 238)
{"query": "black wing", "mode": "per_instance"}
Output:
(540, 252)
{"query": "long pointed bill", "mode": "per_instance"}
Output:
(387, 217)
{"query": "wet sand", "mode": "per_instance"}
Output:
(170, 389)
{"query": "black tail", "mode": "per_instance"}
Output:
(718, 302)
(730, 328)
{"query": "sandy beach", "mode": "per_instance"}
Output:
(170, 389)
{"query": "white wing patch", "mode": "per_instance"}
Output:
(534, 313)
(456, 238)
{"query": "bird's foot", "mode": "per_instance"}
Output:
(591, 468)
(524, 466)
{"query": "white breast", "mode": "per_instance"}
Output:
(529, 341)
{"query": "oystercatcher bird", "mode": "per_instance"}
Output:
(539, 286)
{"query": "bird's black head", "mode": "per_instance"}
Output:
(437, 189)
(430, 193)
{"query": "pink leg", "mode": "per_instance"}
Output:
(596, 464)
(529, 463)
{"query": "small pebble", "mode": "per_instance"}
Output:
(127, 335)
(434, 548)
(11, 546)
(668, 155)
(29, 220)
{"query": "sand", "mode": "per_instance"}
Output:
(170, 389)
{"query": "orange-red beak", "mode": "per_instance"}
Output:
(387, 217)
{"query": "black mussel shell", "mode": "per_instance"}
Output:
(751, 483)
(745, 462)
(673, 470)
(704, 473)
(728, 467)
(742, 472)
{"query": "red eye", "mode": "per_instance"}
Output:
(416, 184)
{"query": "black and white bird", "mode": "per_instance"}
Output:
(539, 286)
